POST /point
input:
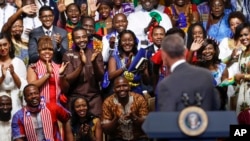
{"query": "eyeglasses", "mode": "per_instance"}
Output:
(46, 16)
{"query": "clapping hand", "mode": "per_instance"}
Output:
(94, 55)
(63, 67)
(196, 45)
(48, 67)
(4, 70)
(92, 5)
(83, 56)
(84, 129)
(61, 6)
(129, 60)
(58, 39)
(11, 69)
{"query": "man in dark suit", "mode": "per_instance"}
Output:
(58, 35)
(185, 81)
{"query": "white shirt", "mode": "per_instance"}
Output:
(5, 13)
(29, 24)
(137, 21)
(50, 29)
(106, 50)
(177, 63)
(5, 131)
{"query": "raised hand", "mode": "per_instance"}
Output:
(63, 67)
(196, 45)
(94, 55)
(29, 9)
(83, 56)
(61, 6)
(92, 5)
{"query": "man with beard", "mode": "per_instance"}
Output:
(84, 71)
(39, 121)
(123, 113)
(14, 26)
(58, 35)
(5, 118)
(142, 21)
(6, 10)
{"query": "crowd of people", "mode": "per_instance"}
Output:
(85, 69)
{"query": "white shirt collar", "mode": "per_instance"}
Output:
(156, 48)
(50, 29)
(177, 63)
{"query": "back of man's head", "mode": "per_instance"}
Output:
(174, 46)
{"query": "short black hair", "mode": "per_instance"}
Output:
(175, 30)
(45, 8)
(239, 28)
(27, 86)
(76, 29)
(236, 14)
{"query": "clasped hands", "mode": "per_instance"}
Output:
(9, 68)
(84, 58)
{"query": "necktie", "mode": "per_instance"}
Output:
(47, 33)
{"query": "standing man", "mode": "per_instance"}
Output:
(110, 41)
(84, 71)
(5, 118)
(142, 21)
(124, 112)
(58, 35)
(184, 80)
(39, 121)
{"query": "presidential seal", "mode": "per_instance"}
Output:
(193, 121)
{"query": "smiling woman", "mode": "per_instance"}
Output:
(45, 73)
(85, 125)
(13, 72)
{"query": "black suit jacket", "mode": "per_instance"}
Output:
(36, 33)
(191, 80)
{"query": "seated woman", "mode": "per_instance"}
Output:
(119, 64)
(13, 73)
(45, 73)
(85, 125)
